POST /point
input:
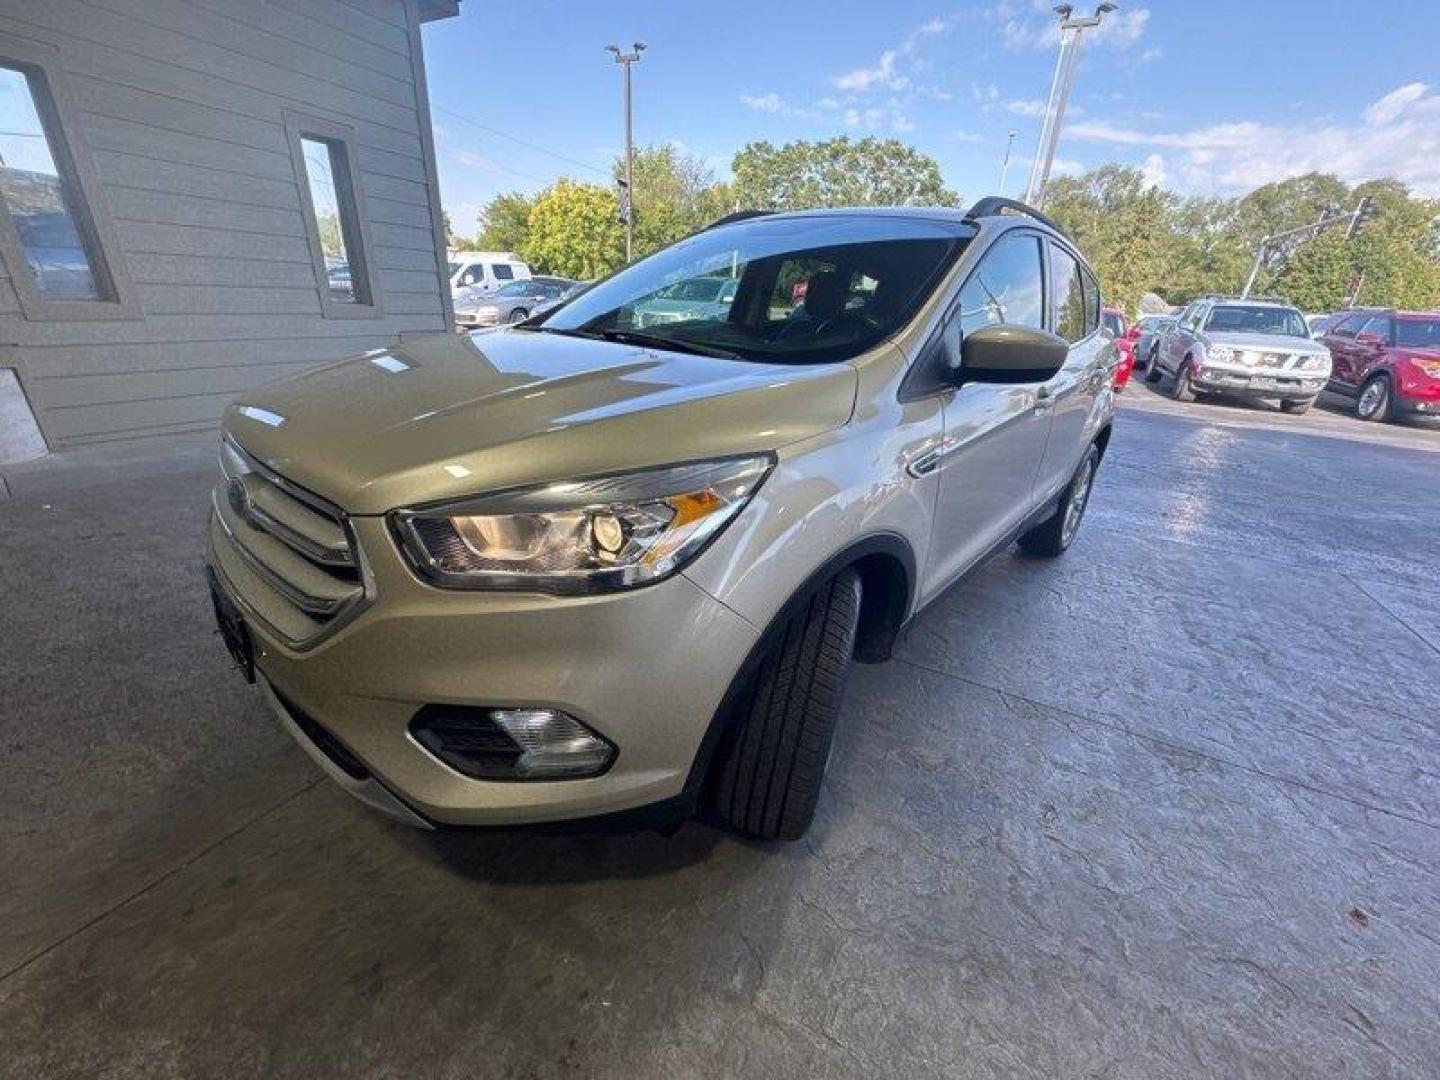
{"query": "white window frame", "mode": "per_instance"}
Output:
(41, 64)
(348, 190)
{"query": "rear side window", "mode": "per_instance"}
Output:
(1349, 326)
(1068, 305)
(1418, 333)
(1007, 287)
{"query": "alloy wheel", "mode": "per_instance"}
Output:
(1079, 496)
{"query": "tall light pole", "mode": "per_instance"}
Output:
(1005, 165)
(1071, 30)
(627, 203)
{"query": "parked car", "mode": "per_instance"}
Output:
(1148, 332)
(511, 303)
(1258, 349)
(1114, 324)
(694, 298)
(1388, 361)
(485, 271)
(579, 568)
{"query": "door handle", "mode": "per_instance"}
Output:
(926, 458)
(1043, 398)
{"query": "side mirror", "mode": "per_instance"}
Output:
(1011, 354)
(1367, 338)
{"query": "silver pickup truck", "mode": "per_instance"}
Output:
(1249, 348)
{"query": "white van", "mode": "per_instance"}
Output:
(485, 271)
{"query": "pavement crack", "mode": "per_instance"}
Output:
(1053, 713)
(191, 860)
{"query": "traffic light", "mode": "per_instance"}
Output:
(1364, 212)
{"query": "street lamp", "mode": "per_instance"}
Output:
(1005, 165)
(627, 204)
(1071, 30)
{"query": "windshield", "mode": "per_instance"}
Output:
(1238, 319)
(776, 289)
(1418, 333)
(455, 268)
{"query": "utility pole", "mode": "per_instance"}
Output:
(1357, 218)
(1005, 165)
(1071, 31)
(627, 201)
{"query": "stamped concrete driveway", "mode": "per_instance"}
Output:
(1168, 807)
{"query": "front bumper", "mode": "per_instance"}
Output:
(1258, 382)
(647, 668)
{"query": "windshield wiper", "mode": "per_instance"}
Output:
(659, 341)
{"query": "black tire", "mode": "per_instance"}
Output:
(1297, 407)
(519, 315)
(1376, 400)
(1153, 373)
(1184, 389)
(1056, 533)
(767, 780)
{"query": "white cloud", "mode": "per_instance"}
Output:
(1031, 107)
(901, 122)
(884, 74)
(768, 103)
(1389, 107)
(1066, 167)
(1397, 135)
(967, 137)
(1154, 170)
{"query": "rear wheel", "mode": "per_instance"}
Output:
(1184, 389)
(1376, 400)
(767, 781)
(1057, 532)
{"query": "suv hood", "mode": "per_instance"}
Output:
(1267, 342)
(449, 416)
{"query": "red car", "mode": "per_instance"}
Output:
(1113, 320)
(1387, 360)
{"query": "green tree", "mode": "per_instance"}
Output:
(675, 194)
(574, 230)
(504, 221)
(836, 172)
(1119, 221)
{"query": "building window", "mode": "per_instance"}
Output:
(335, 220)
(51, 234)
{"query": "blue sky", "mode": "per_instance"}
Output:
(1208, 96)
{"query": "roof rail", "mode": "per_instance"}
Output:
(739, 215)
(992, 205)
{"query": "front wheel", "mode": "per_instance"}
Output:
(1184, 388)
(519, 315)
(1057, 532)
(1152, 368)
(1376, 401)
(767, 781)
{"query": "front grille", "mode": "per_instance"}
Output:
(287, 555)
(1282, 361)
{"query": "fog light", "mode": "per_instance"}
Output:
(511, 744)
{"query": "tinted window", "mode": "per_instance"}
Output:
(1007, 287)
(43, 203)
(1379, 326)
(501, 272)
(516, 288)
(1068, 304)
(1114, 323)
(786, 288)
(1418, 333)
(1350, 325)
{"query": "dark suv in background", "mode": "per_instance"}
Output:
(1387, 360)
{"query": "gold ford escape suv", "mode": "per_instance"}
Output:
(574, 568)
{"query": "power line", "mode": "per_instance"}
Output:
(522, 142)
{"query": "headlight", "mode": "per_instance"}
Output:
(595, 535)
(488, 314)
(1221, 354)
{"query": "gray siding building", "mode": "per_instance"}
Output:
(197, 196)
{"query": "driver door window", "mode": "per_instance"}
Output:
(1008, 287)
